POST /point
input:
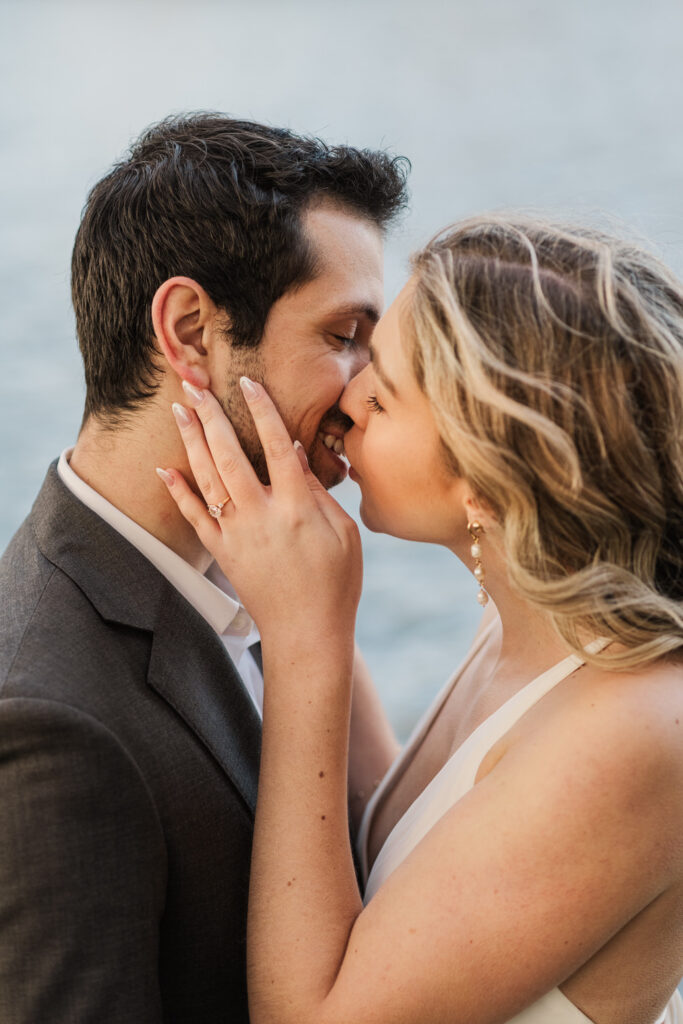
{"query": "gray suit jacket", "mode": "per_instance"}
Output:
(128, 771)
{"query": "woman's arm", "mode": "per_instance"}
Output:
(372, 746)
(295, 858)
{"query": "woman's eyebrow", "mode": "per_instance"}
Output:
(374, 359)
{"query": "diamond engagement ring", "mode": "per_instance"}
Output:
(216, 511)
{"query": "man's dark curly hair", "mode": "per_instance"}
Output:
(218, 200)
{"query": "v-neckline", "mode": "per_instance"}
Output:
(405, 759)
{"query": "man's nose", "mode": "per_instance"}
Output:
(360, 359)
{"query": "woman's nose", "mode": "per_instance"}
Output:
(353, 401)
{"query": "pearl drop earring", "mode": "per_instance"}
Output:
(474, 529)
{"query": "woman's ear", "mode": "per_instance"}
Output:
(182, 315)
(477, 511)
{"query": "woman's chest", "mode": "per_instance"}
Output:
(465, 708)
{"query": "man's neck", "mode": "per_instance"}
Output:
(119, 463)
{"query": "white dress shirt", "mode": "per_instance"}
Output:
(210, 594)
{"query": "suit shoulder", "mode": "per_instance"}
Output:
(51, 635)
(25, 574)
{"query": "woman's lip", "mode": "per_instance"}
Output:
(353, 474)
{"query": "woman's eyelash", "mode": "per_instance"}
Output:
(373, 404)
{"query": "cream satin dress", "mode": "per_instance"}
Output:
(454, 780)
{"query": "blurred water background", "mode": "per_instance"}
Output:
(566, 107)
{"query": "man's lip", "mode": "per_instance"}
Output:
(334, 431)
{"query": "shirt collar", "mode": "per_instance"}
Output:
(211, 594)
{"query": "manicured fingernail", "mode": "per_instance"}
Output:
(301, 452)
(165, 476)
(249, 389)
(196, 394)
(182, 416)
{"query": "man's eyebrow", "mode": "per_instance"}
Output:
(380, 372)
(370, 312)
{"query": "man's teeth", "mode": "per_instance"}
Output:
(335, 443)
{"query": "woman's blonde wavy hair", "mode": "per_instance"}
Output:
(553, 359)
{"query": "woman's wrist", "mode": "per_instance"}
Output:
(308, 649)
(308, 685)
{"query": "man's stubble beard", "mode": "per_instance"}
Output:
(236, 409)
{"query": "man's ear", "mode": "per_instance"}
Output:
(182, 314)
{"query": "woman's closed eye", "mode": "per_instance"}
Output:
(373, 405)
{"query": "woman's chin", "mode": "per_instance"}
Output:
(374, 521)
(369, 520)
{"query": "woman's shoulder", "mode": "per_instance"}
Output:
(645, 702)
(601, 757)
(624, 727)
(614, 735)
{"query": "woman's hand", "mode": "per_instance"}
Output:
(291, 552)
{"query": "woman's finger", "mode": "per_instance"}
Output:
(329, 506)
(284, 468)
(192, 508)
(312, 482)
(214, 450)
(203, 467)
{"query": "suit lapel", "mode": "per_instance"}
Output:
(257, 655)
(189, 666)
(190, 669)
